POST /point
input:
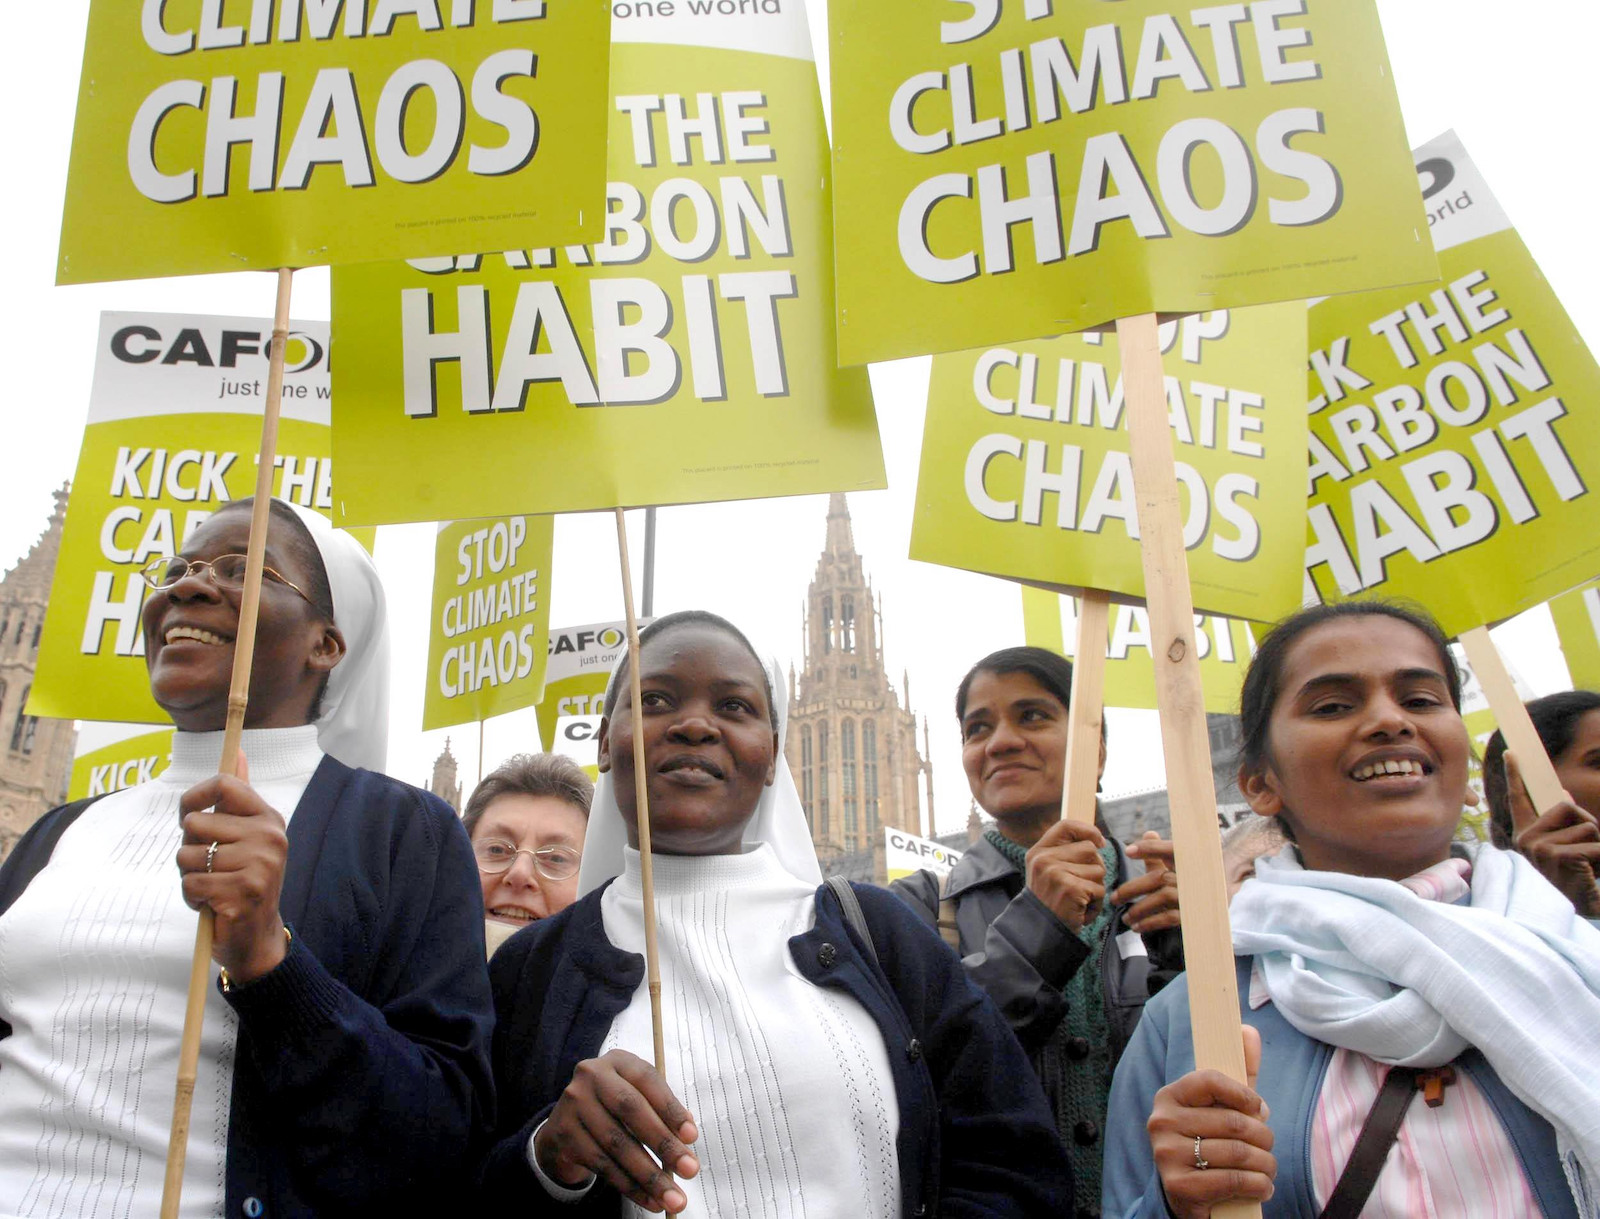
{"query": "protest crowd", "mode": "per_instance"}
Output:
(275, 980)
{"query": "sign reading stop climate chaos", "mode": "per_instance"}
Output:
(222, 135)
(490, 633)
(1009, 169)
(686, 357)
(1025, 468)
(1455, 430)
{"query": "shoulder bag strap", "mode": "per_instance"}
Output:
(851, 905)
(1378, 1135)
(949, 931)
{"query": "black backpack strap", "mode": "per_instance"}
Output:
(853, 915)
(1378, 1135)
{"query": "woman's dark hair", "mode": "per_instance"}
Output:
(530, 774)
(690, 618)
(285, 527)
(1050, 669)
(1555, 717)
(1262, 682)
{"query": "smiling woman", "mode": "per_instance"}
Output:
(352, 1002)
(1375, 957)
(817, 1062)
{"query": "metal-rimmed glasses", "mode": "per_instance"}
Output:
(226, 571)
(554, 862)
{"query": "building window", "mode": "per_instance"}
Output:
(847, 768)
(869, 773)
(805, 776)
(37, 628)
(847, 624)
(827, 625)
(22, 729)
(822, 779)
(22, 624)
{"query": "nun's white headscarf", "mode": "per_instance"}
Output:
(354, 724)
(779, 819)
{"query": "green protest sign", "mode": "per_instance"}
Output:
(581, 660)
(223, 135)
(490, 632)
(174, 422)
(125, 763)
(1225, 644)
(1025, 470)
(1577, 619)
(1455, 441)
(1018, 169)
(687, 357)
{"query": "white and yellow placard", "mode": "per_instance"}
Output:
(578, 737)
(1226, 646)
(686, 357)
(1577, 619)
(904, 854)
(173, 430)
(1455, 429)
(122, 764)
(1026, 472)
(580, 664)
(489, 636)
(224, 135)
(1013, 169)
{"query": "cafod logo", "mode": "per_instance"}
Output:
(142, 344)
(606, 639)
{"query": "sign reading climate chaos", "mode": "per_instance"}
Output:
(581, 660)
(491, 619)
(1018, 168)
(172, 435)
(1455, 429)
(702, 323)
(231, 134)
(1025, 469)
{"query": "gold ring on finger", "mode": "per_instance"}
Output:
(211, 855)
(1200, 1161)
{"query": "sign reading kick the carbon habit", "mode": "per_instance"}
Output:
(1011, 169)
(688, 356)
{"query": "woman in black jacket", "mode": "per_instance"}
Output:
(1068, 965)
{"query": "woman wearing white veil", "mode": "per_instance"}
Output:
(343, 1061)
(817, 1064)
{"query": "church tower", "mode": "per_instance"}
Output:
(444, 784)
(852, 744)
(35, 754)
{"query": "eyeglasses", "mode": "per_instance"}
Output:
(226, 572)
(552, 862)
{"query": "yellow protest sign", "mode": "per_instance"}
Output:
(1025, 470)
(688, 357)
(1226, 646)
(578, 737)
(1023, 169)
(905, 854)
(173, 429)
(489, 636)
(581, 660)
(1455, 440)
(125, 763)
(222, 135)
(1577, 619)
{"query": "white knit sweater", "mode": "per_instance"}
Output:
(788, 1082)
(94, 969)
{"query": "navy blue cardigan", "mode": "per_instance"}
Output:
(976, 1138)
(361, 1075)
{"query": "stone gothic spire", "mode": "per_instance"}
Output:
(444, 783)
(841, 540)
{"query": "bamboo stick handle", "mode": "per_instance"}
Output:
(1088, 707)
(641, 792)
(1522, 738)
(1202, 890)
(238, 699)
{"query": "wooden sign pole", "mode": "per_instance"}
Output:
(1087, 712)
(238, 698)
(1522, 739)
(641, 792)
(1202, 888)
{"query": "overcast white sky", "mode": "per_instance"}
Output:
(1517, 82)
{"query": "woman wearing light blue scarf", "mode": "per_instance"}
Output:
(1373, 941)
